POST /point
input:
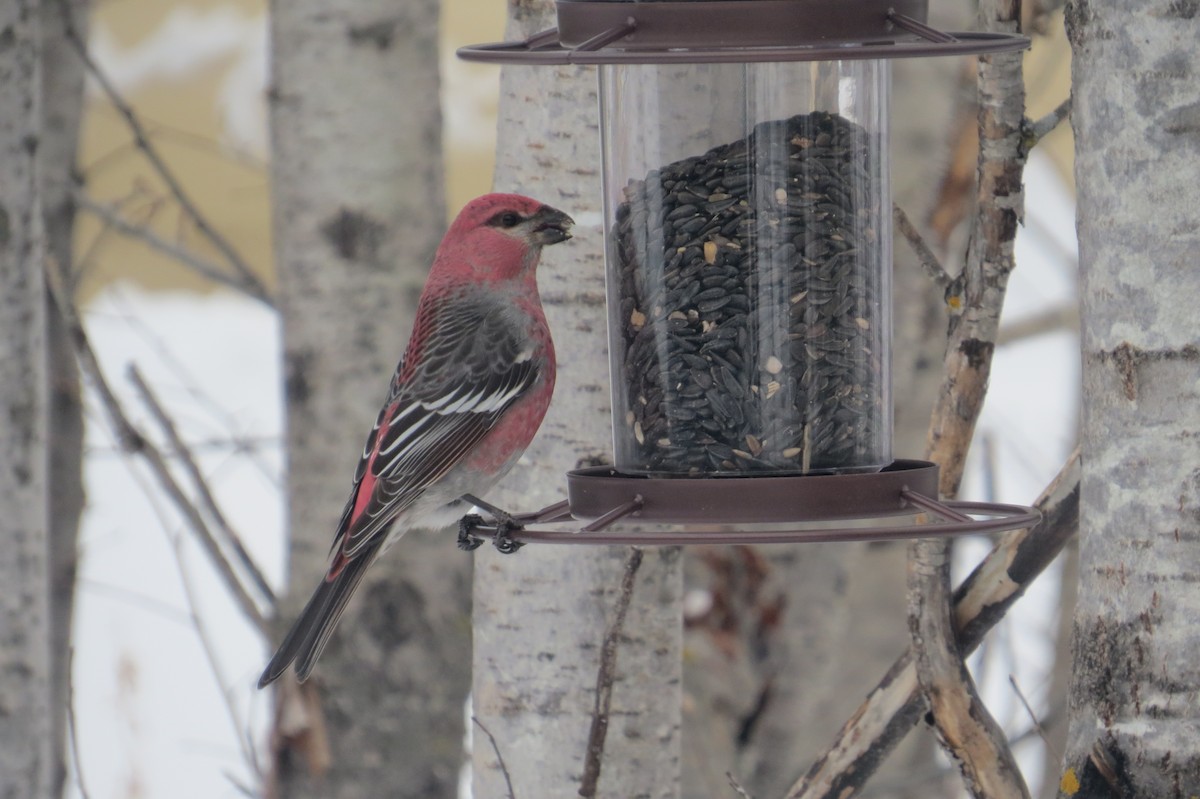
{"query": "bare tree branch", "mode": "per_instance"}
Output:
(241, 729)
(737, 786)
(143, 602)
(236, 444)
(192, 618)
(499, 757)
(207, 501)
(201, 266)
(1061, 317)
(967, 730)
(247, 791)
(1036, 130)
(1038, 729)
(135, 443)
(604, 679)
(199, 393)
(73, 726)
(895, 705)
(247, 281)
(929, 261)
(975, 298)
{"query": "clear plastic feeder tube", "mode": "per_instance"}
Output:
(748, 249)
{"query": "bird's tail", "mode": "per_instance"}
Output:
(305, 642)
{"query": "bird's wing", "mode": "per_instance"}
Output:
(471, 369)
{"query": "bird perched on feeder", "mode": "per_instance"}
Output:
(465, 401)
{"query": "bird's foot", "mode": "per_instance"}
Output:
(466, 526)
(505, 526)
(502, 540)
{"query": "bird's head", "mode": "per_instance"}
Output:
(502, 235)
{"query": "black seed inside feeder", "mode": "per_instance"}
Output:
(748, 250)
(749, 290)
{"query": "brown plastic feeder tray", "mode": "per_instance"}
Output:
(606, 507)
(743, 31)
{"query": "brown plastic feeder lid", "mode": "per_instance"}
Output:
(732, 23)
(742, 31)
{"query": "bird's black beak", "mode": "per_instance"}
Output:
(550, 226)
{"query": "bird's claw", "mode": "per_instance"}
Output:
(502, 540)
(466, 541)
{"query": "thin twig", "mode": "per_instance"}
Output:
(499, 757)
(1050, 242)
(195, 388)
(135, 599)
(241, 730)
(207, 501)
(248, 791)
(1063, 318)
(1038, 129)
(1037, 724)
(594, 757)
(90, 252)
(111, 217)
(72, 731)
(929, 261)
(737, 787)
(249, 282)
(239, 445)
(197, 625)
(135, 443)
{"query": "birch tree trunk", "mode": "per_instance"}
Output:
(62, 109)
(1136, 115)
(359, 210)
(28, 750)
(540, 616)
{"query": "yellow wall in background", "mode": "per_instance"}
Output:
(180, 65)
(1048, 83)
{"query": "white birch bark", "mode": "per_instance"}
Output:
(28, 751)
(359, 210)
(540, 615)
(1136, 116)
(62, 109)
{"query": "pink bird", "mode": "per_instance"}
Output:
(465, 401)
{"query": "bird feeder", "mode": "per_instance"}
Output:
(748, 253)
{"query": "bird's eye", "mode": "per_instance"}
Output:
(510, 219)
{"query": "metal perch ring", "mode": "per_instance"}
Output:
(605, 509)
